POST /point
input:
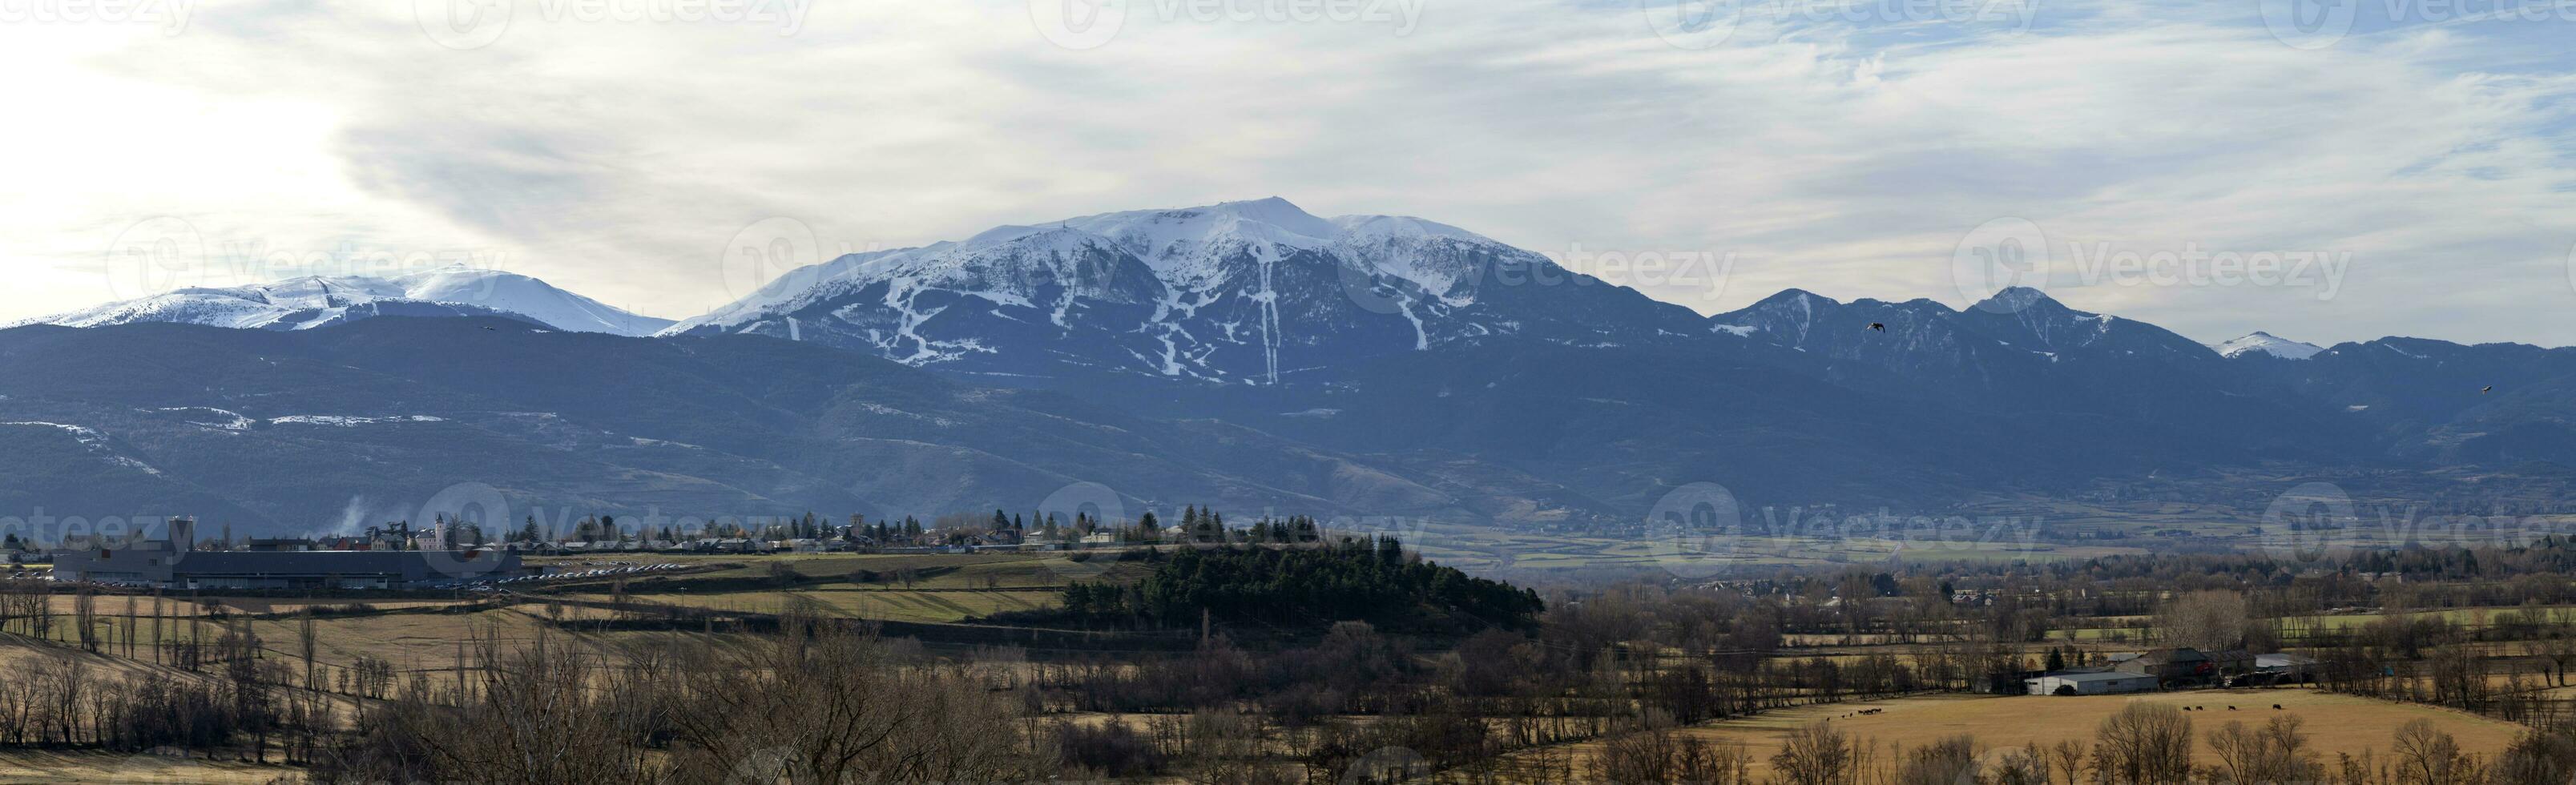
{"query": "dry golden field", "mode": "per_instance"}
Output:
(100, 768)
(2334, 723)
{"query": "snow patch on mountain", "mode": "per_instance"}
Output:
(96, 443)
(1186, 247)
(1247, 292)
(2269, 344)
(525, 296)
(315, 301)
(232, 420)
(341, 421)
(1190, 251)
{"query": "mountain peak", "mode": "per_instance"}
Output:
(315, 300)
(2264, 343)
(1160, 234)
(1795, 297)
(2016, 298)
(1271, 206)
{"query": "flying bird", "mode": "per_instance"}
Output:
(2489, 389)
(1881, 327)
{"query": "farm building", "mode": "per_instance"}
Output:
(2184, 665)
(2168, 663)
(2090, 683)
(2277, 669)
(2284, 664)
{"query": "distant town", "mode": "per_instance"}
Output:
(461, 555)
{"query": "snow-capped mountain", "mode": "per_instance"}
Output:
(315, 301)
(1237, 293)
(2267, 344)
(1247, 354)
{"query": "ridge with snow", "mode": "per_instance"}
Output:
(1245, 292)
(316, 301)
(2266, 344)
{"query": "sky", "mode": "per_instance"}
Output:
(2323, 172)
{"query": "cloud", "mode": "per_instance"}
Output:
(1845, 149)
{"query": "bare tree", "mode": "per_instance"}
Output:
(2275, 753)
(830, 704)
(2538, 758)
(1949, 761)
(2424, 755)
(307, 645)
(2069, 757)
(85, 618)
(1648, 754)
(1817, 755)
(2205, 620)
(2026, 766)
(2143, 744)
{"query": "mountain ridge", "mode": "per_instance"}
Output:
(1246, 354)
(314, 301)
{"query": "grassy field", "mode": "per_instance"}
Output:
(1478, 550)
(950, 588)
(112, 769)
(412, 641)
(928, 571)
(923, 605)
(180, 606)
(2471, 617)
(895, 587)
(2138, 633)
(70, 766)
(2334, 723)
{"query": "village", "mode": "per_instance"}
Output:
(2180, 667)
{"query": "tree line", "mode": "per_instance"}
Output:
(1358, 579)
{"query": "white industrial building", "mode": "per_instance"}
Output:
(2089, 683)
